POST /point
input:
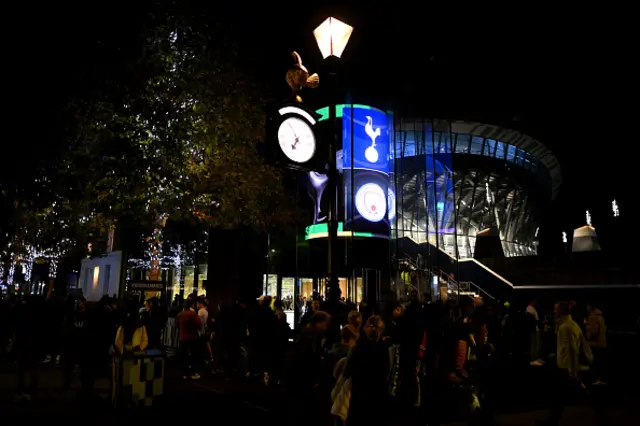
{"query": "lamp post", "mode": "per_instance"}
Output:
(332, 37)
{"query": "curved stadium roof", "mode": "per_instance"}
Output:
(508, 136)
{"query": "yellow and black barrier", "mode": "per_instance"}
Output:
(137, 378)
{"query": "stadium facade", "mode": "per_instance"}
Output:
(454, 180)
(419, 188)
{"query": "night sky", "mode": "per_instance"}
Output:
(554, 75)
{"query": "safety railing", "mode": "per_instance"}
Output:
(462, 287)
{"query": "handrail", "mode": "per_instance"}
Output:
(441, 274)
(479, 288)
(491, 271)
(447, 277)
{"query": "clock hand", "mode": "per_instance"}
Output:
(296, 139)
(293, 131)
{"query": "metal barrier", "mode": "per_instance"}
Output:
(171, 337)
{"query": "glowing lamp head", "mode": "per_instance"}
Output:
(332, 37)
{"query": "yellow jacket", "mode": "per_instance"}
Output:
(569, 339)
(139, 339)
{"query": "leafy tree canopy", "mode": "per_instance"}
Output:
(170, 131)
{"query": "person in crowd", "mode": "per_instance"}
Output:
(231, 336)
(107, 324)
(207, 327)
(154, 320)
(54, 307)
(132, 335)
(299, 308)
(28, 348)
(190, 354)
(572, 358)
(79, 334)
(349, 335)
(596, 334)
(341, 393)
(577, 312)
(262, 328)
(280, 345)
(306, 380)
(533, 321)
(404, 335)
(367, 368)
(314, 306)
(354, 319)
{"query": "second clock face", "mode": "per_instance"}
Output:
(371, 202)
(297, 140)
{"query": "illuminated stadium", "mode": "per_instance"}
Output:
(414, 189)
(454, 180)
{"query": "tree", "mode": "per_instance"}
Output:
(174, 137)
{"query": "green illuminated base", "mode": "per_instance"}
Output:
(321, 230)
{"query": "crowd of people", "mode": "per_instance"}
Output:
(344, 363)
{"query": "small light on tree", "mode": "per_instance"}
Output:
(564, 237)
(615, 208)
(332, 37)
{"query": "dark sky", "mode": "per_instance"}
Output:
(563, 77)
(566, 78)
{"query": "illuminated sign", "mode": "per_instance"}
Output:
(321, 230)
(365, 139)
(371, 202)
(145, 285)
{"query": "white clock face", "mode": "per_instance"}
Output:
(392, 205)
(297, 140)
(371, 202)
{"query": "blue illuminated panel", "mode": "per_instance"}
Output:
(365, 138)
(369, 201)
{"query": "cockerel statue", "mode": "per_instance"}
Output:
(298, 77)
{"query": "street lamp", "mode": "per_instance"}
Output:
(332, 37)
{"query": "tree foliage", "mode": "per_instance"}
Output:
(174, 132)
(182, 138)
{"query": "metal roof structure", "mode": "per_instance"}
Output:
(498, 133)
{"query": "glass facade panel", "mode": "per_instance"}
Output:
(436, 141)
(520, 157)
(489, 147)
(439, 204)
(407, 144)
(500, 150)
(428, 138)
(413, 143)
(446, 143)
(462, 144)
(511, 153)
(476, 145)
(527, 161)
(446, 207)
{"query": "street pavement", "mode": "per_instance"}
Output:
(181, 397)
(249, 401)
